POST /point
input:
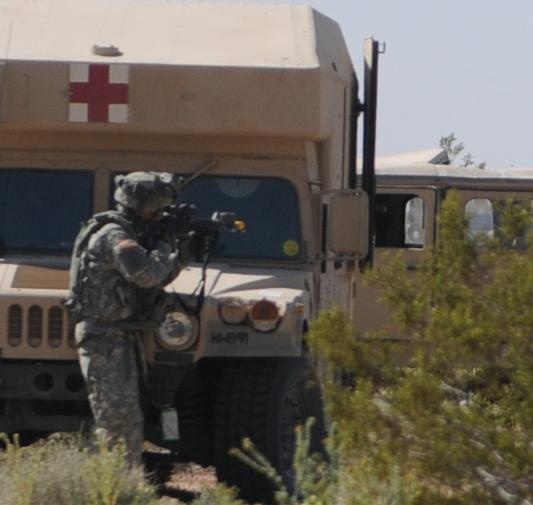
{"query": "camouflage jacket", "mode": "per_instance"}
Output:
(115, 270)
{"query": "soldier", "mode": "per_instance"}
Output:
(109, 271)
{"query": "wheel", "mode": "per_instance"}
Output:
(263, 400)
(158, 468)
(193, 401)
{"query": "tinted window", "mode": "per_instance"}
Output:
(42, 210)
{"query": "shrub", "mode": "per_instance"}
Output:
(219, 495)
(454, 422)
(59, 472)
(319, 480)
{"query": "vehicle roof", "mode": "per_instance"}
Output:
(451, 175)
(172, 33)
(453, 171)
(435, 156)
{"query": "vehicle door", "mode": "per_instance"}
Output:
(405, 225)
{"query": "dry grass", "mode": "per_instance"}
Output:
(59, 471)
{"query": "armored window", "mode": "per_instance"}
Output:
(41, 210)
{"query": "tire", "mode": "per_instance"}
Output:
(263, 400)
(193, 401)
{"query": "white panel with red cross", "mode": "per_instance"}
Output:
(99, 93)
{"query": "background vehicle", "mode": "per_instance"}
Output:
(409, 196)
(258, 106)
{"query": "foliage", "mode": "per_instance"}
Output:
(454, 148)
(60, 472)
(219, 495)
(320, 480)
(313, 477)
(451, 145)
(455, 420)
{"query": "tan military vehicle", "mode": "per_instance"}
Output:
(409, 196)
(256, 106)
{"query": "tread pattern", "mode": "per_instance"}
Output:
(242, 410)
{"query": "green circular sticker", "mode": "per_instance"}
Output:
(291, 248)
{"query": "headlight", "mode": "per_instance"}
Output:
(233, 311)
(178, 331)
(264, 315)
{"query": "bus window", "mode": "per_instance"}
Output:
(414, 223)
(513, 222)
(399, 220)
(480, 215)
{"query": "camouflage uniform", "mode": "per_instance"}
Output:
(115, 269)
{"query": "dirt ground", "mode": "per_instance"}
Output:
(178, 483)
(186, 482)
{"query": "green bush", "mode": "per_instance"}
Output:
(320, 480)
(454, 422)
(219, 495)
(59, 472)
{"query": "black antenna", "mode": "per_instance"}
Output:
(371, 54)
(355, 108)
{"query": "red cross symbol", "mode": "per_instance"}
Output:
(98, 93)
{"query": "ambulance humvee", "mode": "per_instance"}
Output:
(408, 200)
(256, 105)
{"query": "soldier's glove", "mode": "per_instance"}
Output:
(174, 264)
(168, 257)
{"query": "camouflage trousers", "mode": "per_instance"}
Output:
(109, 365)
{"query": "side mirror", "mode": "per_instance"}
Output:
(348, 224)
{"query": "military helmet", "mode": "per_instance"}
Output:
(146, 191)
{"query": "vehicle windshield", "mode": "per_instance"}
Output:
(42, 210)
(268, 205)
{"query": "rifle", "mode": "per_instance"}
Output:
(180, 227)
(193, 237)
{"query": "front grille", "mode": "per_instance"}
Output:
(55, 326)
(35, 326)
(38, 325)
(14, 325)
